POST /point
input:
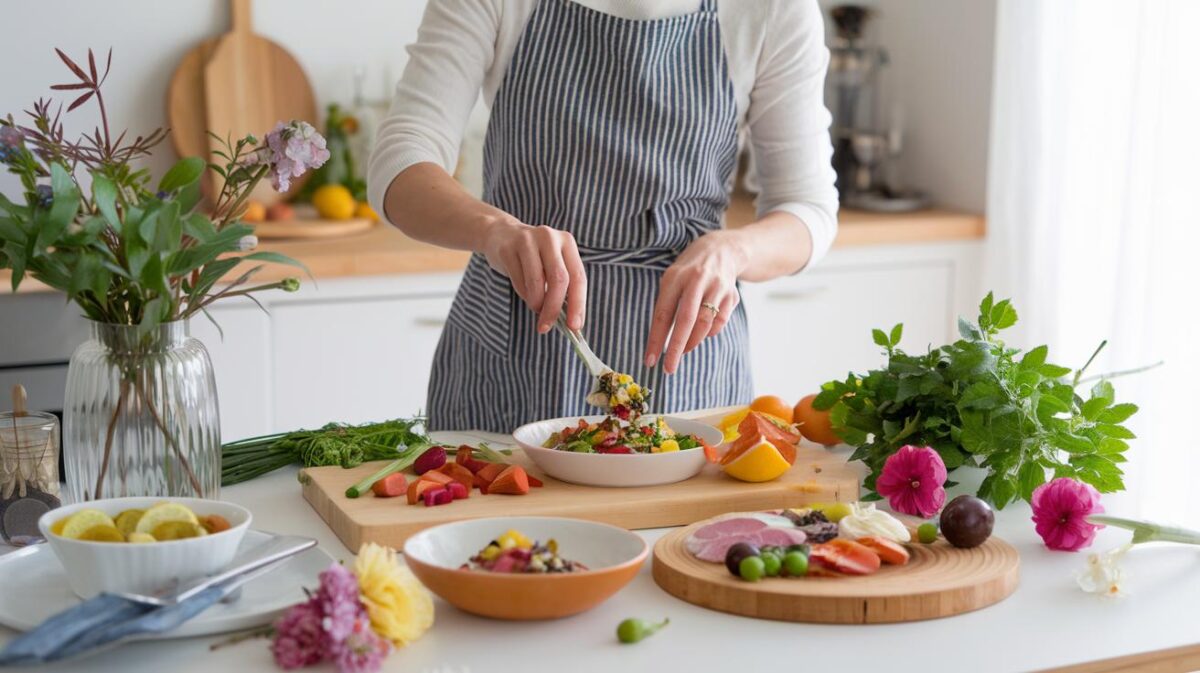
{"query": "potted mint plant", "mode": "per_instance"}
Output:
(140, 259)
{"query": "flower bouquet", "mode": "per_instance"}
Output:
(139, 259)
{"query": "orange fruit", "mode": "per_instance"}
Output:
(774, 406)
(757, 428)
(255, 212)
(816, 426)
(762, 462)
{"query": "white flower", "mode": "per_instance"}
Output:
(248, 242)
(1103, 574)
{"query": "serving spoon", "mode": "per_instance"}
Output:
(594, 364)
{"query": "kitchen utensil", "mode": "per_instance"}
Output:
(590, 360)
(187, 105)
(43, 591)
(248, 563)
(94, 567)
(819, 476)
(28, 470)
(938, 581)
(612, 470)
(612, 555)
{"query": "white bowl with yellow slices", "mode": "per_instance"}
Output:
(142, 545)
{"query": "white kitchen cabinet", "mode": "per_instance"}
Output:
(242, 363)
(354, 361)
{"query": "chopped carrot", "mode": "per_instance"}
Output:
(512, 481)
(458, 473)
(534, 481)
(390, 486)
(417, 488)
(437, 477)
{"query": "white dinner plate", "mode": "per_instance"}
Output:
(35, 588)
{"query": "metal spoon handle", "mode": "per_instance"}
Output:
(590, 360)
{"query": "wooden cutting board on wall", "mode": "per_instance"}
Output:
(250, 84)
(818, 476)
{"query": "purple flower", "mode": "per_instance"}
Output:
(363, 651)
(11, 140)
(340, 606)
(299, 639)
(292, 149)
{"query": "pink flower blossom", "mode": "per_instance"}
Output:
(912, 481)
(341, 608)
(363, 651)
(299, 638)
(1059, 510)
(293, 148)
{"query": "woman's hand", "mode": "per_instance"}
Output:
(705, 274)
(544, 267)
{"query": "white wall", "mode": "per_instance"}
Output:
(940, 73)
(941, 76)
(149, 37)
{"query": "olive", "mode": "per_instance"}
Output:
(796, 564)
(735, 554)
(927, 533)
(772, 563)
(752, 568)
(967, 521)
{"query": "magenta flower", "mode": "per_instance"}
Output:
(1059, 510)
(912, 481)
(340, 606)
(363, 651)
(292, 149)
(299, 638)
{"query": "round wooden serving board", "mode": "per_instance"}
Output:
(938, 581)
(305, 228)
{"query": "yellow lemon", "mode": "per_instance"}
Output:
(177, 530)
(102, 533)
(127, 521)
(162, 513)
(763, 462)
(334, 202)
(668, 446)
(366, 212)
(83, 520)
(141, 538)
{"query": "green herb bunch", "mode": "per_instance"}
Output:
(131, 252)
(978, 402)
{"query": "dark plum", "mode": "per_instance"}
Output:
(967, 521)
(735, 554)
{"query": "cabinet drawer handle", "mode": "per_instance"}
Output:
(796, 295)
(429, 322)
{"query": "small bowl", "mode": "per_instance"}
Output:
(612, 555)
(144, 568)
(616, 470)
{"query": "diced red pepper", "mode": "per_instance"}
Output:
(647, 430)
(621, 411)
(621, 448)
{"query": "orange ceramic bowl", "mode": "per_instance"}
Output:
(612, 555)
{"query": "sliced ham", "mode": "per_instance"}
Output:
(711, 541)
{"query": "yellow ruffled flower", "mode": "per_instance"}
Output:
(399, 606)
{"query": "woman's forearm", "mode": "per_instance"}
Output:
(776, 245)
(429, 205)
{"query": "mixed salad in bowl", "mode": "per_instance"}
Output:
(611, 435)
(513, 552)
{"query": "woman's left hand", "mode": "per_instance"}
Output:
(704, 276)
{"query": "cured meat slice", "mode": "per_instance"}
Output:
(711, 541)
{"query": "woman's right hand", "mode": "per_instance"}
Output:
(545, 269)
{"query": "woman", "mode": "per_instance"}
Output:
(610, 152)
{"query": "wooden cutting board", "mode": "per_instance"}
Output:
(818, 476)
(306, 229)
(938, 581)
(250, 83)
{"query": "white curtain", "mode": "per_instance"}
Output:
(1094, 212)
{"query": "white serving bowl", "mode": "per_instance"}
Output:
(144, 568)
(618, 470)
(612, 555)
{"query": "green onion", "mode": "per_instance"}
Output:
(407, 457)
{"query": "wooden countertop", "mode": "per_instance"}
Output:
(385, 251)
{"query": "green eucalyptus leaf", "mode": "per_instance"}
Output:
(186, 171)
(104, 195)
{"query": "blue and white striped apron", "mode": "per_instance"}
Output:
(624, 133)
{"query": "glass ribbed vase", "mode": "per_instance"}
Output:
(140, 415)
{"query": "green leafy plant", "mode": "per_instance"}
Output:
(979, 402)
(130, 253)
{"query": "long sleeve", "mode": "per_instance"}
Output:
(789, 124)
(455, 49)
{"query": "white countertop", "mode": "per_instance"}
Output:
(1048, 622)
